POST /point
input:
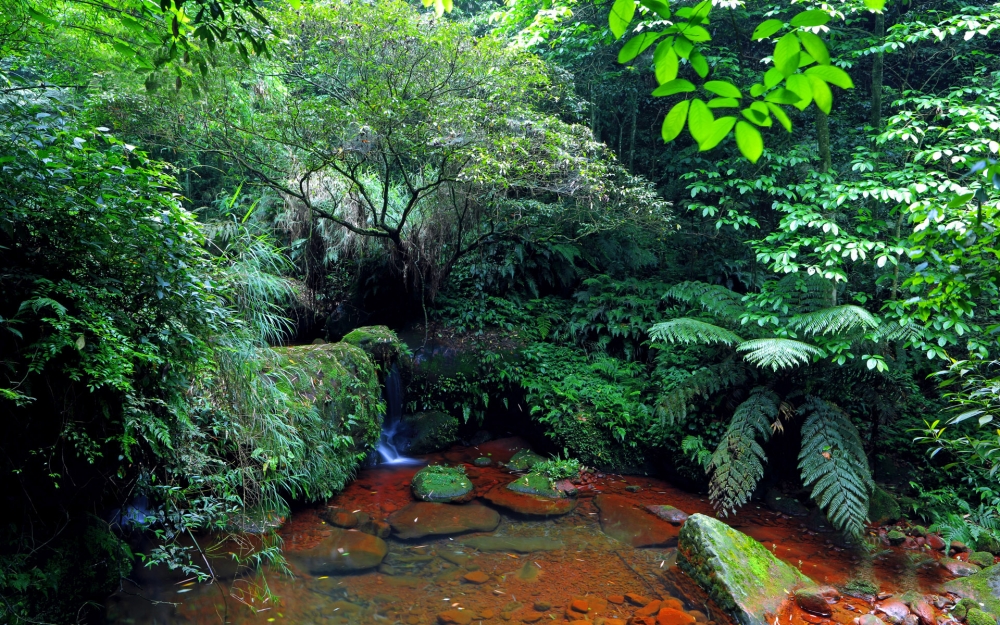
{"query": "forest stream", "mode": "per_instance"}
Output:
(605, 559)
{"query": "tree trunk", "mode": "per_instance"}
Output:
(877, 73)
(823, 138)
(631, 147)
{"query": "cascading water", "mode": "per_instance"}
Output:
(388, 446)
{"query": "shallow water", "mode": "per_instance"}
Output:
(421, 579)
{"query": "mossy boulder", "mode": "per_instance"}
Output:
(380, 343)
(535, 484)
(739, 574)
(896, 537)
(524, 460)
(983, 588)
(337, 384)
(883, 507)
(440, 483)
(981, 559)
(975, 616)
(430, 431)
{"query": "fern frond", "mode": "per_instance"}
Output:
(834, 320)
(777, 353)
(833, 462)
(685, 330)
(737, 464)
(713, 298)
(895, 331)
(672, 406)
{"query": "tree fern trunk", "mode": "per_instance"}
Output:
(823, 138)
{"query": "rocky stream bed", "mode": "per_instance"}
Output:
(493, 546)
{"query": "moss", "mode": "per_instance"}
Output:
(896, 537)
(883, 507)
(739, 573)
(380, 343)
(440, 483)
(432, 430)
(981, 558)
(962, 608)
(860, 587)
(482, 461)
(917, 530)
(979, 588)
(535, 484)
(988, 543)
(524, 460)
(975, 616)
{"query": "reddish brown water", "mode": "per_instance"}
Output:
(419, 584)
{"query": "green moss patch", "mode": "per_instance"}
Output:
(524, 460)
(883, 507)
(440, 483)
(379, 342)
(432, 430)
(983, 588)
(535, 484)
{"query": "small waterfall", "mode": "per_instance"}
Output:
(391, 422)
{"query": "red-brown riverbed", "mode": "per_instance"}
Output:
(427, 581)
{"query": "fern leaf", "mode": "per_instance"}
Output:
(833, 462)
(685, 330)
(778, 353)
(737, 464)
(834, 320)
(713, 298)
(672, 406)
(894, 331)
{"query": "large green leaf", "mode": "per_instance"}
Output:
(720, 129)
(700, 121)
(799, 85)
(749, 141)
(815, 47)
(833, 75)
(723, 88)
(637, 45)
(665, 61)
(661, 8)
(766, 28)
(621, 16)
(814, 17)
(875, 5)
(786, 54)
(699, 63)
(678, 85)
(673, 123)
(821, 94)
(783, 96)
(781, 116)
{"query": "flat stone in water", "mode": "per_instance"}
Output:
(535, 505)
(342, 552)
(959, 568)
(669, 514)
(517, 544)
(436, 519)
(623, 521)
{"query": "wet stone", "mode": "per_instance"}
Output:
(623, 521)
(426, 519)
(959, 568)
(341, 518)
(893, 609)
(534, 505)
(455, 617)
(343, 551)
(482, 461)
(439, 483)
(669, 514)
(636, 599)
(524, 460)
(476, 577)
(812, 600)
(673, 616)
(542, 606)
(517, 544)
(871, 619)
(924, 612)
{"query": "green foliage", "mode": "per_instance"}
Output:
(737, 463)
(834, 464)
(558, 468)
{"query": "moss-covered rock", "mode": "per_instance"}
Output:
(380, 343)
(975, 616)
(441, 483)
(524, 460)
(883, 507)
(917, 530)
(983, 588)
(430, 431)
(988, 543)
(981, 558)
(861, 588)
(739, 573)
(896, 537)
(535, 484)
(337, 386)
(962, 608)
(482, 461)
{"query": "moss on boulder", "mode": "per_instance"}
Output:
(737, 572)
(983, 588)
(432, 431)
(441, 483)
(975, 616)
(336, 384)
(883, 507)
(535, 484)
(523, 460)
(379, 342)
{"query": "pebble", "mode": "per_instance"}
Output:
(476, 577)
(542, 606)
(455, 617)
(616, 599)
(636, 599)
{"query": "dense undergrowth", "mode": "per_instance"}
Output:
(185, 187)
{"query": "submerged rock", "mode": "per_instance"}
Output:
(534, 505)
(893, 609)
(517, 544)
(428, 519)
(430, 431)
(343, 552)
(440, 483)
(482, 461)
(816, 599)
(623, 521)
(669, 514)
(524, 460)
(738, 572)
(983, 588)
(785, 504)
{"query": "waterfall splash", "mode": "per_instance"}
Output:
(391, 423)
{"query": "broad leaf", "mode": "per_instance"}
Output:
(621, 16)
(781, 116)
(875, 5)
(720, 128)
(814, 17)
(673, 123)
(749, 141)
(683, 46)
(699, 64)
(637, 45)
(821, 94)
(756, 117)
(782, 96)
(766, 29)
(695, 33)
(772, 77)
(678, 85)
(757, 89)
(661, 8)
(723, 88)
(799, 85)
(666, 65)
(786, 54)
(700, 121)
(961, 200)
(723, 103)
(833, 75)
(815, 47)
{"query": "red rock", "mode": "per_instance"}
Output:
(671, 616)
(614, 621)
(616, 599)
(455, 617)
(924, 612)
(534, 505)
(530, 616)
(636, 599)
(895, 609)
(671, 602)
(812, 618)
(476, 577)
(341, 552)
(423, 518)
(486, 614)
(623, 521)
(580, 605)
(935, 542)
(567, 487)
(341, 518)
(958, 546)
(650, 608)
(642, 620)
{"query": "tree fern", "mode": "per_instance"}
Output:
(713, 298)
(685, 330)
(833, 462)
(834, 320)
(737, 464)
(778, 353)
(672, 406)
